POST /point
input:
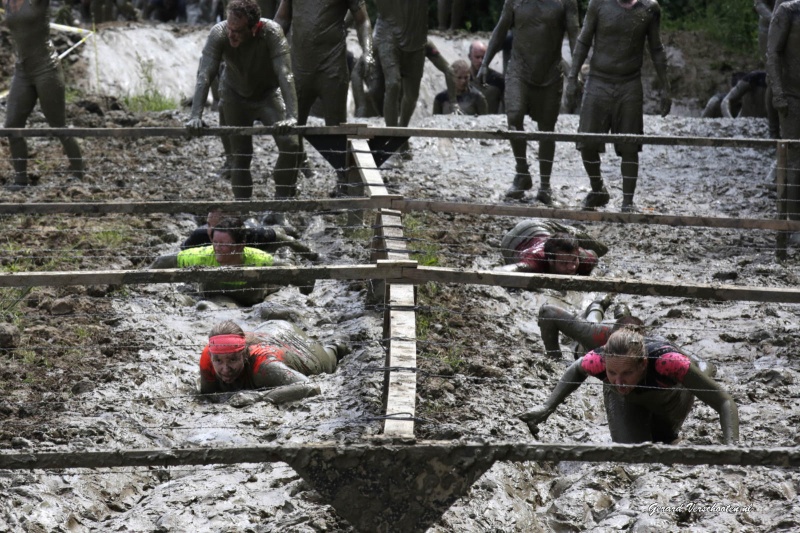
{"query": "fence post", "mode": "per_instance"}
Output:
(780, 174)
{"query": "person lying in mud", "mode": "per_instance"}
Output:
(547, 247)
(649, 387)
(278, 356)
(227, 249)
(256, 235)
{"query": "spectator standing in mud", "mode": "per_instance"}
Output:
(256, 84)
(278, 355)
(227, 249)
(37, 76)
(547, 247)
(534, 79)
(256, 235)
(469, 100)
(616, 31)
(783, 66)
(319, 57)
(401, 33)
(649, 387)
(493, 84)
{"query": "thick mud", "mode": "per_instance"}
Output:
(104, 368)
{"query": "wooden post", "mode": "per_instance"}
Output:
(782, 163)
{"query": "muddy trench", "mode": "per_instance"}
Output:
(115, 367)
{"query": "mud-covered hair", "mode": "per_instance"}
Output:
(247, 9)
(459, 64)
(233, 226)
(560, 243)
(625, 342)
(229, 327)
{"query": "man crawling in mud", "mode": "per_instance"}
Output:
(227, 249)
(278, 355)
(547, 247)
(649, 385)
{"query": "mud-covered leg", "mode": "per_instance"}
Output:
(598, 196)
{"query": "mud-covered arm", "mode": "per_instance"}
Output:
(282, 65)
(206, 72)
(364, 32)
(449, 77)
(733, 97)
(584, 40)
(709, 392)
(659, 57)
(762, 9)
(573, 377)
(497, 39)
(573, 23)
(292, 393)
(284, 15)
(165, 261)
(776, 44)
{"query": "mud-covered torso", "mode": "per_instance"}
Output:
(406, 23)
(318, 32)
(619, 37)
(249, 70)
(27, 20)
(539, 28)
(788, 15)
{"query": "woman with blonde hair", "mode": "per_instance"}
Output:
(649, 387)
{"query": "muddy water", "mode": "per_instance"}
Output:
(152, 403)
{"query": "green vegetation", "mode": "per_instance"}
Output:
(732, 23)
(152, 99)
(424, 250)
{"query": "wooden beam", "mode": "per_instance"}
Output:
(367, 169)
(401, 380)
(404, 272)
(398, 203)
(784, 457)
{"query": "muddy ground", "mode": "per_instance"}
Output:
(114, 367)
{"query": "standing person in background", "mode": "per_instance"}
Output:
(37, 76)
(451, 14)
(256, 84)
(319, 57)
(469, 101)
(401, 33)
(534, 80)
(493, 85)
(616, 31)
(783, 66)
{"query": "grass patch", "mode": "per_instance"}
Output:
(151, 99)
(422, 246)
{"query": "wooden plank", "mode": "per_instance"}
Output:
(396, 245)
(367, 169)
(779, 456)
(362, 130)
(782, 164)
(98, 208)
(401, 384)
(587, 284)
(592, 216)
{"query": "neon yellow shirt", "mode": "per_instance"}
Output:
(204, 256)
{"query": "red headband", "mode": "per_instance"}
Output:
(225, 344)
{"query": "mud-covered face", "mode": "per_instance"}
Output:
(227, 252)
(238, 30)
(564, 264)
(462, 80)
(625, 372)
(228, 366)
(476, 56)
